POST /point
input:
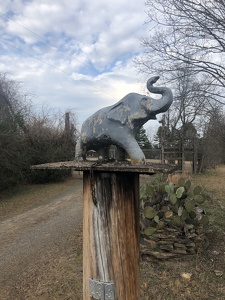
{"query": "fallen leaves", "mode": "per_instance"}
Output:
(186, 276)
(218, 273)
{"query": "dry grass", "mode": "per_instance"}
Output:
(214, 182)
(58, 276)
(161, 280)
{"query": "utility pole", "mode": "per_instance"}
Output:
(163, 121)
(67, 123)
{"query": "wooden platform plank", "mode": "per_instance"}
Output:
(148, 168)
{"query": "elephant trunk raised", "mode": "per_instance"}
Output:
(119, 123)
(161, 105)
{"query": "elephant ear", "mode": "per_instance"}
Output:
(119, 112)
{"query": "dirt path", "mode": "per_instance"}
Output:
(40, 248)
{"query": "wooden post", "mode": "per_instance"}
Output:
(111, 235)
(195, 157)
(110, 226)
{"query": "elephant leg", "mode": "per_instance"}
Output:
(130, 145)
(79, 151)
(103, 153)
(117, 153)
(120, 154)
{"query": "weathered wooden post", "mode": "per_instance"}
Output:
(111, 229)
(110, 226)
(111, 235)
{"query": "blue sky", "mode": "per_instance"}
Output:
(73, 55)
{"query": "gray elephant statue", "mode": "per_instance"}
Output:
(118, 124)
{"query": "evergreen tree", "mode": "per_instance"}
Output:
(142, 139)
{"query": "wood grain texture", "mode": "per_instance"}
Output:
(111, 232)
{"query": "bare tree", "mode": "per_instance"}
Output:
(189, 114)
(52, 136)
(186, 31)
(14, 157)
(186, 46)
(213, 141)
(15, 104)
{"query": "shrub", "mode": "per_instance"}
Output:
(49, 175)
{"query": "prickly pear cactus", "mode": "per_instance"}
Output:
(172, 210)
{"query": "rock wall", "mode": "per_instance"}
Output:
(170, 242)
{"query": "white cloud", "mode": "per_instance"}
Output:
(90, 65)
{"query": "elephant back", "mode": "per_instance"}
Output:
(128, 105)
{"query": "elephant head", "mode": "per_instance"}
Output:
(136, 109)
(119, 123)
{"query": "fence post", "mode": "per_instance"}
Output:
(111, 235)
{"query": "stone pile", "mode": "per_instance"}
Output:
(170, 242)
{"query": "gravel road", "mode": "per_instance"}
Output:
(41, 250)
